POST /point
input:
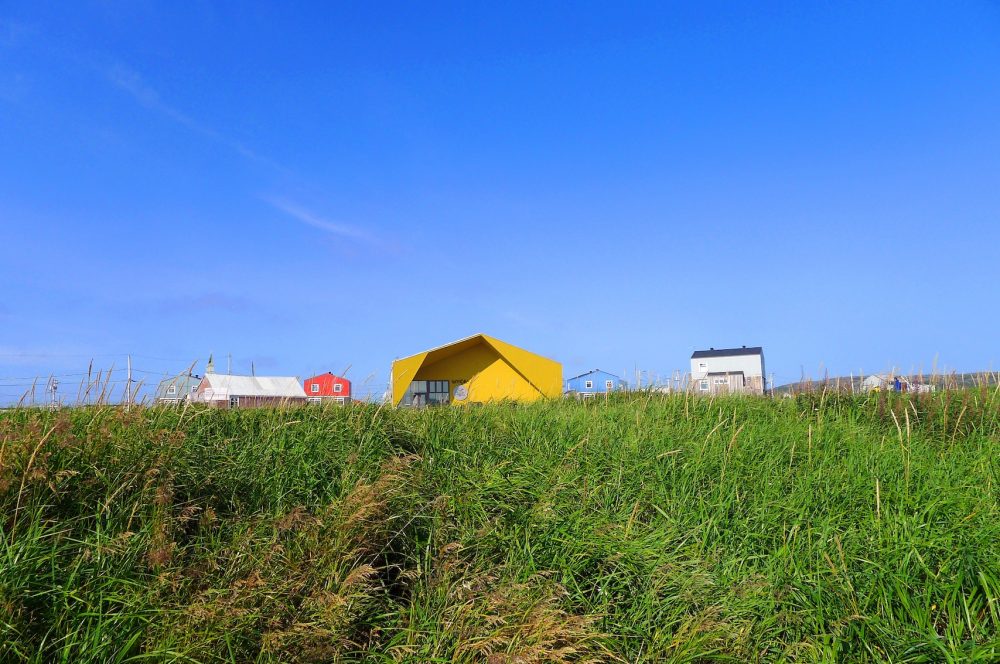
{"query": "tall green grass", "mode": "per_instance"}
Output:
(824, 528)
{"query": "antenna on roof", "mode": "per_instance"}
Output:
(252, 371)
(210, 367)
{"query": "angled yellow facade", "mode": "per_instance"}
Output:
(474, 370)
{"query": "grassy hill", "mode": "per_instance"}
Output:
(644, 528)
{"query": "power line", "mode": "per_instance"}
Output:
(63, 375)
(92, 355)
(43, 382)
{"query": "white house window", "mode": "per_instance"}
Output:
(337, 387)
(314, 388)
(702, 366)
(588, 384)
(719, 380)
(608, 384)
(194, 388)
(172, 389)
(704, 386)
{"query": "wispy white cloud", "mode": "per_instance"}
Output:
(311, 219)
(133, 83)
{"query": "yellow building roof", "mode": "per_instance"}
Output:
(542, 373)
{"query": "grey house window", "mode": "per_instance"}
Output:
(314, 387)
(337, 387)
(609, 384)
(704, 386)
(172, 389)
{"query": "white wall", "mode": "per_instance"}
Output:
(750, 365)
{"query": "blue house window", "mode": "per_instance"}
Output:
(588, 384)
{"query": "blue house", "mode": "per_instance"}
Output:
(594, 382)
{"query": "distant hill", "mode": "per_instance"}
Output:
(849, 383)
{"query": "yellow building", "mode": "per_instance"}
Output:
(474, 370)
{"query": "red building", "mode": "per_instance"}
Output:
(327, 387)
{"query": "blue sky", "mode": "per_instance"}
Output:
(317, 187)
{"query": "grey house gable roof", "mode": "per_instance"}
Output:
(182, 384)
(594, 371)
(727, 352)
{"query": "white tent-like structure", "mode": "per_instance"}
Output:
(876, 382)
(887, 382)
(227, 391)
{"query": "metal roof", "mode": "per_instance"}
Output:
(182, 383)
(255, 386)
(593, 371)
(727, 352)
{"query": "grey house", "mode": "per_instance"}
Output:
(177, 389)
(728, 371)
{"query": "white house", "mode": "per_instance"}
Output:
(728, 370)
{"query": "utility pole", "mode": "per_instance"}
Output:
(53, 386)
(128, 384)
